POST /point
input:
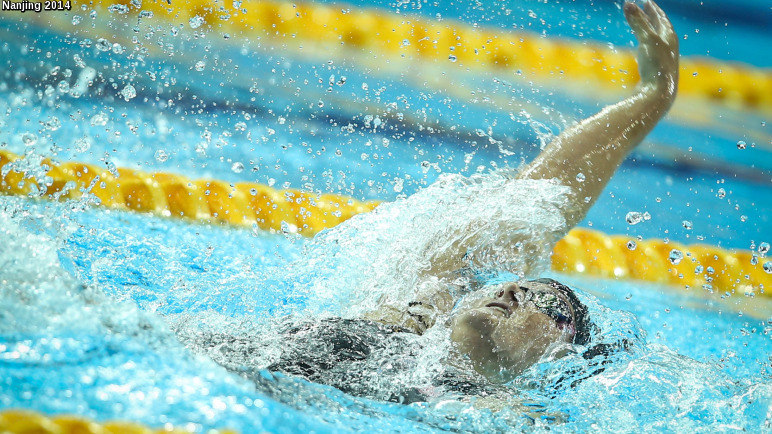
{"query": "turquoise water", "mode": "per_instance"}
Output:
(110, 349)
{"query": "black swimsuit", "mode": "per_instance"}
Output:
(359, 357)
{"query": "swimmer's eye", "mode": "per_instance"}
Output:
(551, 305)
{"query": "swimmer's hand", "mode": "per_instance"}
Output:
(657, 50)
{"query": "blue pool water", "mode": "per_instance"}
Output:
(110, 349)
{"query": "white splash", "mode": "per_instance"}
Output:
(487, 222)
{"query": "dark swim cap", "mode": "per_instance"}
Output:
(582, 324)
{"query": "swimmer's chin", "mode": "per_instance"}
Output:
(479, 319)
(472, 329)
(472, 334)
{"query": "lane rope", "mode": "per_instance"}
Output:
(298, 25)
(15, 421)
(294, 211)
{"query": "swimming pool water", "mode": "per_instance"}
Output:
(109, 350)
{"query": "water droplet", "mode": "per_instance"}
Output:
(200, 65)
(288, 228)
(83, 144)
(764, 248)
(754, 259)
(675, 257)
(741, 145)
(196, 22)
(240, 126)
(768, 267)
(320, 103)
(632, 245)
(161, 155)
(76, 19)
(687, 225)
(29, 139)
(129, 92)
(118, 48)
(398, 184)
(452, 58)
(281, 120)
(634, 217)
(52, 123)
(103, 44)
(118, 9)
(98, 119)
(580, 177)
(721, 193)
(237, 167)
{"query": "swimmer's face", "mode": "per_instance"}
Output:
(512, 328)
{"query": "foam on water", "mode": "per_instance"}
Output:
(485, 222)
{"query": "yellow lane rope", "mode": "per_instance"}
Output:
(250, 204)
(32, 422)
(171, 195)
(295, 25)
(699, 267)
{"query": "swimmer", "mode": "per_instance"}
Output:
(503, 329)
(511, 329)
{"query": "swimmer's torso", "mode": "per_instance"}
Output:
(357, 356)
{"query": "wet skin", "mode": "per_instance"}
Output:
(507, 332)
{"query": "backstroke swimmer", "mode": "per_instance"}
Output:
(516, 323)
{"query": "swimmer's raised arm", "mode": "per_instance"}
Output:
(596, 146)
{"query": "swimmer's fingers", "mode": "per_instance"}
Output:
(658, 46)
(663, 25)
(654, 18)
(639, 22)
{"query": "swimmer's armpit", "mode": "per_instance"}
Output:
(585, 156)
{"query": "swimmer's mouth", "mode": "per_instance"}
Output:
(507, 309)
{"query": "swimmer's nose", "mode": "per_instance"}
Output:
(509, 294)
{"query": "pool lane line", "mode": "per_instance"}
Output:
(170, 195)
(332, 27)
(29, 421)
(698, 268)
(583, 251)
